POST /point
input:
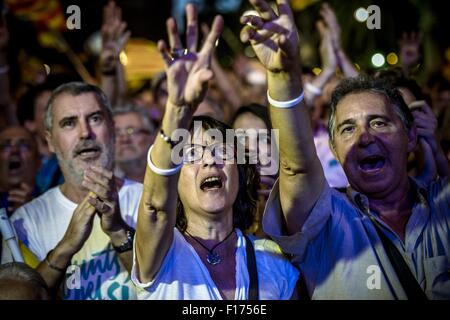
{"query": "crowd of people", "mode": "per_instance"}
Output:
(113, 198)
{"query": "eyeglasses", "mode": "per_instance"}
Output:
(131, 131)
(193, 153)
(22, 145)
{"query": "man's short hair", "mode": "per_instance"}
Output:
(75, 89)
(143, 113)
(367, 84)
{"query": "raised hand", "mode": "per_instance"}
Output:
(274, 37)
(327, 51)
(188, 70)
(114, 37)
(426, 124)
(17, 197)
(329, 17)
(434, 158)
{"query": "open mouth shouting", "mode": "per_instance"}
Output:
(372, 164)
(211, 183)
(15, 165)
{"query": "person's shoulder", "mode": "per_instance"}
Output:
(38, 204)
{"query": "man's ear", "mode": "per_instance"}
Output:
(412, 138)
(48, 138)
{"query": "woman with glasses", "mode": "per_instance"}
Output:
(189, 242)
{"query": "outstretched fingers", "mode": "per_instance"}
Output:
(163, 50)
(172, 33)
(191, 28)
(213, 36)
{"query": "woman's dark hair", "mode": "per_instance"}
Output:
(256, 109)
(244, 207)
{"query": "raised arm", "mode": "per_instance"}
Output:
(347, 67)
(329, 63)
(275, 41)
(187, 76)
(114, 39)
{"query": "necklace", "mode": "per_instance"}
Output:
(212, 257)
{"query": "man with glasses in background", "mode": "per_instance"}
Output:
(135, 132)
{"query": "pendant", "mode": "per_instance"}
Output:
(213, 258)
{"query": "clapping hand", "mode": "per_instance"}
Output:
(102, 185)
(426, 124)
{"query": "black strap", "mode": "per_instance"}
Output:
(409, 283)
(253, 291)
(302, 289)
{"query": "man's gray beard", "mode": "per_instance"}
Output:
(74, 174)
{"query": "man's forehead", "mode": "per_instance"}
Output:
(15, 133)
(67, 105)
(363, 104)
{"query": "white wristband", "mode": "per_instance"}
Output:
(285, 104)
(161, 172)
(313, 89)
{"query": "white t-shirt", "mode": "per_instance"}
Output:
(95, 272)
(183, 276)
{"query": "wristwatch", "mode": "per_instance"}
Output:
(127, 245)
